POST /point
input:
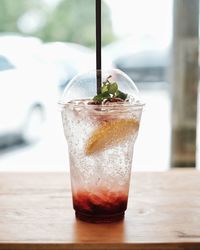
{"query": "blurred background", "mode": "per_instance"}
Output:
(44, 43)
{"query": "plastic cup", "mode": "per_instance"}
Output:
(100, 141)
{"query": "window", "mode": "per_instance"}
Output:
(43, 44)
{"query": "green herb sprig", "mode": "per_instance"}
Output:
(109, 90)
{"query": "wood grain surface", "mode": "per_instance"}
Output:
(163, 213)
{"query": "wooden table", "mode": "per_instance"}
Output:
(163, 213)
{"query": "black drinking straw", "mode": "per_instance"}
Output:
(98, 45)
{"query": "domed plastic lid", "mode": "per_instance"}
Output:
(83, 86)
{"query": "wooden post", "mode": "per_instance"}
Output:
(184, 82)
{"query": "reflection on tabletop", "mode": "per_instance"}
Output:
(98, 232)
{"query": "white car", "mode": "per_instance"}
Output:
(28, 98)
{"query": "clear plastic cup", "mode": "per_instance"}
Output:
(100, 141)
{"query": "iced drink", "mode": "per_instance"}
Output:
(101, 137)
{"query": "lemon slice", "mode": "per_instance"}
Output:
(109, 134)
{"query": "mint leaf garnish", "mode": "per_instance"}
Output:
(121, 95)
(99, 98)
(104, 89)
(109, 90)
(112, 88)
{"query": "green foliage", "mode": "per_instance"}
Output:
(74, 21)
(70, 20)
(109, 90)
(10, 11)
